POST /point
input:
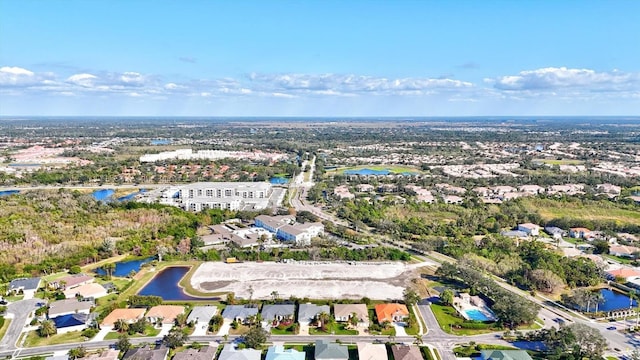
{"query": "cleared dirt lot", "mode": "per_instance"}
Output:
(316, 280)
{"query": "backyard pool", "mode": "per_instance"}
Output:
(476, 315)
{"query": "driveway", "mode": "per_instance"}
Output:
(399, 329)
(165, 330)
(224, 329)
(102, 333)
(19, 312)
(200, 329)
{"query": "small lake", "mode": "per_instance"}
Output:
(9, 192)
(160, 142)
(132, 195)
(613, 300)
(124, 268)
(103, 194)
(165, 285)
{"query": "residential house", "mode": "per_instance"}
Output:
(501, 190)
(365, 187)
(342, 192)
(278, 312)
(556, 232)
(387, 188)
(200, 315)
(482, 191)
(406, 352)
(28, 286)
(278, 352)
(531, 189)
(87, 291)
(71, 281)
(109, 354)
(452, 199)
(69, 306)
(71, 322)
(331, 351)
(128, 315)
(204, 353)
(515, 234)
(344, 312)
(624, 251)
(239, 313)
(609, 189)
(625, 273)
(164, 313)
(579, 233)
(229, 352)
(307, 313)
(147, 353)
(370, 351)
(530, 229)
(391, 312)
(504, 355)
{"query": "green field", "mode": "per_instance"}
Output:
(559, 162)
(392, 168)
(333, 329)
(33, 339)
(4, 327)
(583, 210)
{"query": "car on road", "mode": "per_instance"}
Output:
(612, 328)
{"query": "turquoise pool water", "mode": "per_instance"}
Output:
(477, 315)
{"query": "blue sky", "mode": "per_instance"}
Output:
(319, 58)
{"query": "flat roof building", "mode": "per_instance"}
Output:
(225, 195)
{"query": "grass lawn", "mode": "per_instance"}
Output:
(560, 162)
(446, 316)
(279, 330)
(242, 329)
(33, 339)
(149, 331)
(4, 327)
(415, 328)
(602, 210)
(334, 329)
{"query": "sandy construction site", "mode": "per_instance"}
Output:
(315, 280)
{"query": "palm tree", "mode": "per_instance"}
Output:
(121, 325)
(418, 340)
(181, 319)
(323, 319)
(47, 328)
(353, 320)
(108, 268)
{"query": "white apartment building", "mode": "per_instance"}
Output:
(225, 195)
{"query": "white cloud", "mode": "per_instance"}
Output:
(350, 84)
(562, 77)
(84, 80)
(16, 76)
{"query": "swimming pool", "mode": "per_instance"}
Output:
(477, 315)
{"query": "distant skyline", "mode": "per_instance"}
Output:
(319, 58)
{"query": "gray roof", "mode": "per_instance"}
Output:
(270, 312)
(238, 312)
(505, 355)
(229, 352)
(514, 233)
(310, 311)
(202, 313)
(68, 306)
(25, 284)
(326, 350)
(205, 353)
(553, 230)
(146, 353)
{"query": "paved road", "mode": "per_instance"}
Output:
(20, 311)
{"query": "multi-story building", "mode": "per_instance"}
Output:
(225, 195)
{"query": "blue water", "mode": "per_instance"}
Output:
(9, 192)
(104, 194)
(278, 180)
(367, 172)
(613, 301)
(165, 285)
(124, 268)
(132, 195)
(160, 142)
(476, 315)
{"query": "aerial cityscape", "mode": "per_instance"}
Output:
(366, 180)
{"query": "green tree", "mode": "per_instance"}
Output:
(410, 296)
(175, 338)
(121, 326)
(75, 269)
(446, 297)
(123, 344)
(353, 320)
(47, 328)
(255, 337)
(77, 353)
